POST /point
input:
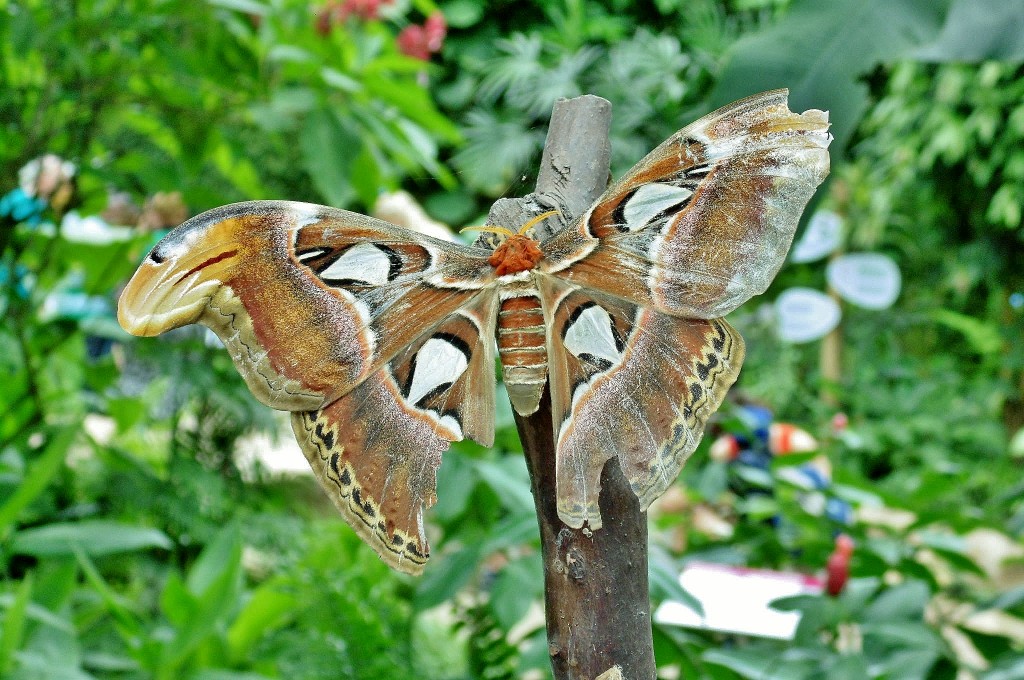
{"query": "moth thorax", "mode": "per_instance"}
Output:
(517, 253)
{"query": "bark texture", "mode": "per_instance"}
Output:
(597, 604)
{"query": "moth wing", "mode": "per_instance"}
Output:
(309, 300)
(376, 450)
(704, 221)
(379, 340)
(631, 382)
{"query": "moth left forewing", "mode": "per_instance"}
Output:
(400, 284)
(630, 382)
(379, 340)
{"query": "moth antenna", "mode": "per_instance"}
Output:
(501, 231)
(537, 220)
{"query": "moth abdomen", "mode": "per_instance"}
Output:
(523, 350)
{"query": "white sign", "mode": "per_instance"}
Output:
(869, 280)
(736, 600)
(805, 314)
(822, 236)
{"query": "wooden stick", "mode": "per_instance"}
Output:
(597, 603)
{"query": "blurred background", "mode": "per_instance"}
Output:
(155, 521)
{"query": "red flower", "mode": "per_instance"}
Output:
(336, 12)
(838, 567)
(422, 41)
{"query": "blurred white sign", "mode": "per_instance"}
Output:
(823, 235)
(805, 314)
(736, 600)
(869, 280)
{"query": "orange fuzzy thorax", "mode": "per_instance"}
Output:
(518, 253)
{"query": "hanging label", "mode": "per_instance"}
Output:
(869, 280)
(805, 314)
(822, 236)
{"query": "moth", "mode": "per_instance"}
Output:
(381, 342)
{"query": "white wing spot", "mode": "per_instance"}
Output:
(650, 200)
(362, 262)
(591, 333)
(438, 362)
(304, 214)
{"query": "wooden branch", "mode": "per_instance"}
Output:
(597, 603)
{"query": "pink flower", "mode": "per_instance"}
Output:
(336, 12)
(422, 41)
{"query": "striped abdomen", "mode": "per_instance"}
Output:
(524, 356)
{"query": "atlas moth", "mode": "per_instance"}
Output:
(381, 342)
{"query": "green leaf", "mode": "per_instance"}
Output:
(216, 582)
(903, 635)
(415, 104)
(35, 481)
(327, 150)
(517, 585)
(761, 664)
(92, 537)
(219, 674)
(713, 480)
(447, 577)
(901, 603)
(247, 6)
(978, 30)
(848, 667)
(663, 576)
(236, 169)
(266, 611)
(128, 625)
(983, 337)
(457, 477)
(819, 50)
(14, 625)
(176, 602)
(462, 13)
(218, 558)
(510, 481)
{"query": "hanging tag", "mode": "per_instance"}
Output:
(869, 280)
(823, 235)
(805, 314)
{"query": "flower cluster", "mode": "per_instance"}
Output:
(338, 11)
(422, 41)
(418, 41)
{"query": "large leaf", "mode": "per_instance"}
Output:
(39, 475)
(820, 49)
(94, 538)
(328, 149)
(977, 30)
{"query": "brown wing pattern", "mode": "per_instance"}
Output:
(309, 300)
(379, 340)
(704, 221)
(631, 382)
(376, 450)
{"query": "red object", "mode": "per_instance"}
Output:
(840, 422)
(838, 567)
(336, 12)
(422, 41)
(517, 254)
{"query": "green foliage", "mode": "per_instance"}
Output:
(134, 545)
(186, 95)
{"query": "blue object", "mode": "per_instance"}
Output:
(21, 207)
